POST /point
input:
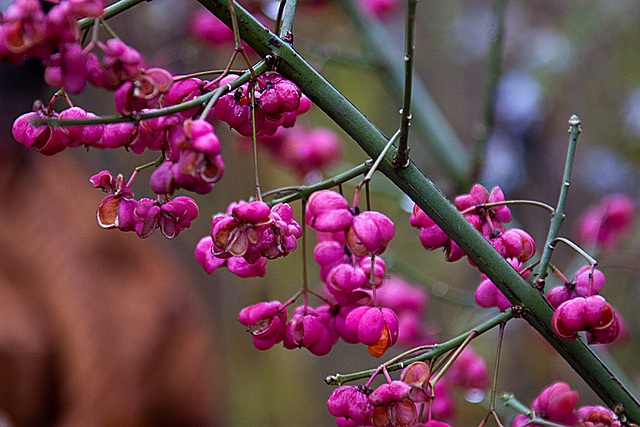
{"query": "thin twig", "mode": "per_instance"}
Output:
(401, 159)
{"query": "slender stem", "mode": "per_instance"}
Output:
(259, 68)
(109, 29)
(511, 202)
(437, 350)
(494, 384)
(204, 74)
(434, 379)
(110, 11)
(305, 282)
(493, 68)
(435, 131)
(536, 311)
(401, 159)
(305, 191)
(155, 163)
(254, 138)
(576, 248)
(369, 174)
(286, 25)
(558, 215)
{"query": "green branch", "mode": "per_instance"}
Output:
(110, 11)
(438, 350)
(429, 198)
(558, 215)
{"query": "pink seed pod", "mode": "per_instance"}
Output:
(328, 211)
(557, 404)
(279, 96)
(370, 233)
(345, 278)
(593, 314)
(375, 327)
(266, 322)
(395, 391)
(605, 224)
(581, 281)
(305, 329)
(350, 405)
(598, 416)
(518, 244)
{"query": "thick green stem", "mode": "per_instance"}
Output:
(536, 311)
(558, 215)
(401, 158)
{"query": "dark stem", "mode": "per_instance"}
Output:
(401, 159)
(558, 215)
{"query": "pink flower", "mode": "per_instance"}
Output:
(143, 92)
(369, 233)
(375, 327)
(592, 314)
(305, 329)
(350, 405)
(239, 233)
(328, 211)
(266, 322)
(605, 224)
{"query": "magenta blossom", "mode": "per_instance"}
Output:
(351, 406)
(328, 211)
(266, 322)
(306, 329)
(605, 224)
(556, 404)
(369, 233)
(239, 233)
(375, 327)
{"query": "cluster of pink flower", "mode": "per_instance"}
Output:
(516, 245)
(247, 236)
(278, 102)
(557, 404)
(27, 31)
(580, 308)
(397, 403)
(512, 243)
(606, 223)
(120, 210)
(251, 233)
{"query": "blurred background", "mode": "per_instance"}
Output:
(108, 313)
